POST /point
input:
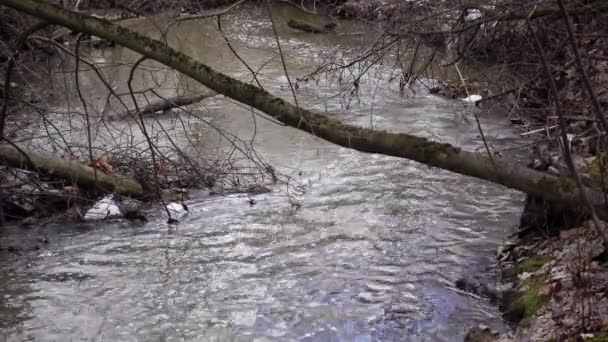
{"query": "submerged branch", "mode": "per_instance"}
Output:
(164, 105)
(71, 171)
(304, 26)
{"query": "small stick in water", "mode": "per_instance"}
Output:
(307, 27)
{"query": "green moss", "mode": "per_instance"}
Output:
(533, 264)
(595, 167)
(523, 305)
(441, 156)
(545, 184)
(304, 26)
(599, 337)
(433, 152)
(567, 184)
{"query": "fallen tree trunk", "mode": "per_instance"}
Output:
(84, 176)
(496, 169)
(165, 104)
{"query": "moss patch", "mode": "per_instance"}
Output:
(533, 264)
(549, 184)
(599, 337)
(567, 184)
(304, 26)
(595, 167)
(523, 305)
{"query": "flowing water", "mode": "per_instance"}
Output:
(371, 255)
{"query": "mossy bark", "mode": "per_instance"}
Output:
(86, 177)
(304, 26)
(498, 169)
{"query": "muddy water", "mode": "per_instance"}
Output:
(371, 255)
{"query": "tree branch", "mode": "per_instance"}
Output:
(506, 172)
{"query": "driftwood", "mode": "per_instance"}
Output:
(164, 105)
(307, 27)
(84, 176)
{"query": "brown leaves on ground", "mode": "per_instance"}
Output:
(574, 283)
(101, 163)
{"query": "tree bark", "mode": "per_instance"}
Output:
(497, 169)
(84, 176)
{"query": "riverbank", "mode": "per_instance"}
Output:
(559, 286)
(553, 288)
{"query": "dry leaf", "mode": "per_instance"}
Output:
(101, 163)
(546, 290)
(160, 168)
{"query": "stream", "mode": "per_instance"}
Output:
(371, 255)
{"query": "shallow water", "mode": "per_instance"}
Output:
(371, 255)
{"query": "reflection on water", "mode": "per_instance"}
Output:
(370, 255)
